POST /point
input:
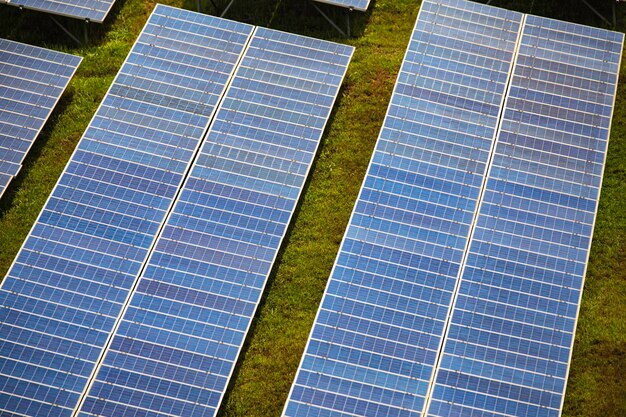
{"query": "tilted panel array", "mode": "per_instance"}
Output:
(360, 5)
(32, 80)
(92, 10)
(5, 178)
(375, 340)
(66, 289)
(185, 325)
(512, 327)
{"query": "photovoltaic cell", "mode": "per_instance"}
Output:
(93, 10)
(181, 334)
(512, 328)
(32, 80)
(375, 340)
(360, 5)
(66, 289)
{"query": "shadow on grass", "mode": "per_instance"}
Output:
(604, 366)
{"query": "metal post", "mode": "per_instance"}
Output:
(227, 7)
(86, 31)
(328, 19)
(614, 16)
(67, 32)
(596, 12)
(198, 5)
(349, 11)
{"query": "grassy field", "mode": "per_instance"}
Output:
(270, 357)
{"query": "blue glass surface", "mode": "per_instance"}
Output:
(512, 326)
(32, 82)
(68, 285)
(93, 10)
(186, 322)
(374, 343)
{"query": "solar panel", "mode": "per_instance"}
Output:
(31, 82)
(375, 339)
(360, 5)
(5, 179)
(182, 332)
(66, 289)
(93, 10)
(512, 328)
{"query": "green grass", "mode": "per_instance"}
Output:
(279, 332)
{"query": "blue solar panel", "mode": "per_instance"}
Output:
(93, 10)
(32, 82)
(360, 5)
(66, 289)
(374, 343)
(5, 179)
(182, 332)
(512, 327)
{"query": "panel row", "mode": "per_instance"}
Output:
(512, 328)
(360, 5)
(375, 340)
(67, 287)
(31, 84)
(92, 10)
(457, 286)
(132, 295)
(180, 337)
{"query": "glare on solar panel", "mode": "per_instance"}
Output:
(65, 290)
(509, 343)
(181, 334)
(31, 84)
(374, 342)
(92, 10)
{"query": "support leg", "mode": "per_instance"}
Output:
(67, 32)
(348, 13)
(227, 7)
(597, 13)
(614, 15)
(329, 20)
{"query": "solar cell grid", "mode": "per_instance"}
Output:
(512, 327)
(375, 339)
(93, 10)
(32, 80)
(66, 288)
(430, 211)
(181, 334)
